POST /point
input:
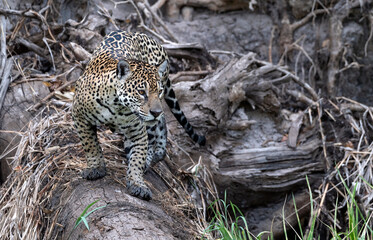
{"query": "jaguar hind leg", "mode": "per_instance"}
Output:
(157, 141)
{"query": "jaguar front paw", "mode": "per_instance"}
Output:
(139, 190)
(94, 173)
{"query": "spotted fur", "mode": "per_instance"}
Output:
(122, 87)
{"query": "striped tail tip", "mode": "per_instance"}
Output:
(201, 140)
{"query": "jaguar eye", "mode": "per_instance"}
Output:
(141, 92)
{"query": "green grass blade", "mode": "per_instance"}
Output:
(85, 222)
(78, 221)
(296, 213)
(333, 229)
(90, 205)
(313, 215)
(95, 210)
(225, 225)
(82, 217)
(283, 221)
(370, 185)
(358, 225)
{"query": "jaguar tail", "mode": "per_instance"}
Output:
(174, 106)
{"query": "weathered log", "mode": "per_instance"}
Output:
(122, 216)
(191, 51)
(174, 7)
(238, 107)
(239, 96)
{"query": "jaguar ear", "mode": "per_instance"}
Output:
(163, 68)
(123, 70)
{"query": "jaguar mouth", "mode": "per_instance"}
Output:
(144, 117)
(148, 117)
(151, 119)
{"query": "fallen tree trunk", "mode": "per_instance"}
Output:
(121, 216)
(247, 124)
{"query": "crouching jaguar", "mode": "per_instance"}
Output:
(122, 87)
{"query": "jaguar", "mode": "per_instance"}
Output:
(122, 87)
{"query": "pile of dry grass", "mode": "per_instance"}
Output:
(39, 164)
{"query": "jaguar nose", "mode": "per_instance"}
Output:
(155, 112)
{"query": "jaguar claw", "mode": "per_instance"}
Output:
(94, 173)
(139, 190)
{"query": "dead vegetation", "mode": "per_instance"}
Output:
(327, 138)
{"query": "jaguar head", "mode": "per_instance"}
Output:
(139, 88)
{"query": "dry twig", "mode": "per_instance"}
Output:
(5, 63)
(36, 106)
(295, 78)
(174, 77)
(160, 21)
(142, 23)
